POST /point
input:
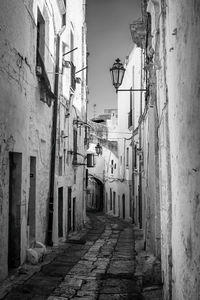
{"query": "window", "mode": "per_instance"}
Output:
(40, 36)
(75, 146)
(73, 78)
(114, 196)
(64, 160)
(127, 157)
(110, 199)
(131, 100)
(123, 207)
(73, 68)
(60, 166)
(46, 94)
(64, 15)
(135, 157)
(86, 178)
(130, 114)
(71, 46)
(112, 166)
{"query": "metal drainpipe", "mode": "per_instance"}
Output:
(53, 144)
(133, 175)
(140, 145)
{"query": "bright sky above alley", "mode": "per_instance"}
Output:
(108, 38)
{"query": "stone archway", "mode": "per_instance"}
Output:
(95, 194)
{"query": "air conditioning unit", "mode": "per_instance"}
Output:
(39, 71)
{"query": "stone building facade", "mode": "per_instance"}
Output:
(176, 44)
(35, 86)
(70, 159)
(168, 34)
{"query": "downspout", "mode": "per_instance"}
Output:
(133, 167)
(169, 258)
(140, 146)
(53, 143)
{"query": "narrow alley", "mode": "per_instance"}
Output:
(101, 263)
(99, 149)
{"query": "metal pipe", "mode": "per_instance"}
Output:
(70, 51)
(82, 69)
(49, 240)
(131, 90)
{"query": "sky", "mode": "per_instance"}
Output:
(108, 37)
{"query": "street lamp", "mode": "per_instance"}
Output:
(117, 74)
(98, 149)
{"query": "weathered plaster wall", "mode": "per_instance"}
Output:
(71, 107)
(157, 10)
(176, 40)
(25, 120)
(182, 31)
(151, 209)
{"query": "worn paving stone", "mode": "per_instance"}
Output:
(153, 293)
(56, 298)
(38, 297)
(120, 297)
(121, 267)
(103, 265)
(90, 258)
(89, 243)
(86, 298)
(91, 285)
(67, 292)
(111, 285)
(84, 293)
(72, 282)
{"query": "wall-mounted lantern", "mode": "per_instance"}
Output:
(98, 149)
(117, 74)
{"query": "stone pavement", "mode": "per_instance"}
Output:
(102, 265)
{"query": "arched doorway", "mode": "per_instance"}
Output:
(95, 198)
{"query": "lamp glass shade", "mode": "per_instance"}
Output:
(117, 73)
(98, 149)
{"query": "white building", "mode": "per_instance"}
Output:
(129, 110)
(70, 174)
(34, 87)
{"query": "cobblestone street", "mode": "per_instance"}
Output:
(105, 262)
